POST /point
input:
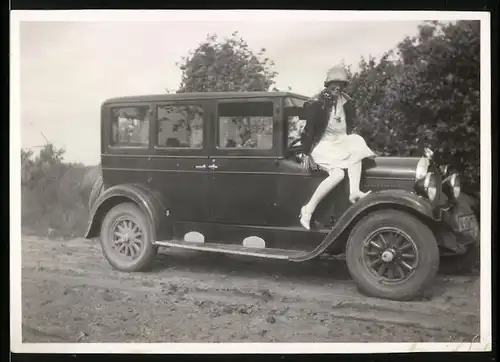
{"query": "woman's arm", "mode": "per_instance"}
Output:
(311, 115)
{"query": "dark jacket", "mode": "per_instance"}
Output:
(317, 114)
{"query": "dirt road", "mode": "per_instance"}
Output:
(71, 294)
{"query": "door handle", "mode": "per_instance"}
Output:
(200, 167)
(213, 167)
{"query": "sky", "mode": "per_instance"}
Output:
(67, 69)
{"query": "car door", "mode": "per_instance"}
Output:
(243, 161)
(180, 158)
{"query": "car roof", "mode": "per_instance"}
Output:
(201, 96)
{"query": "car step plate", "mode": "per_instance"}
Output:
(234, 249)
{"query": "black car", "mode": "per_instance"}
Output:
(220, 172)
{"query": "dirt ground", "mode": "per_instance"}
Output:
(71, 294)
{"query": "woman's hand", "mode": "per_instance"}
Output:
(308, 163)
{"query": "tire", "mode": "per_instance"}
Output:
(460, 263)
(96, 191)
(403, 229)
(127, 217)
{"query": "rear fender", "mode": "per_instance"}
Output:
(386, 199)
(142, 197)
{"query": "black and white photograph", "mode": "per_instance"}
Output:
(250, 181)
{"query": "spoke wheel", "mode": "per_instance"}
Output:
(126, 238)
(390, 254)
(393, 255)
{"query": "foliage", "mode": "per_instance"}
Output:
(425, 92)
(227, 65)
(54, 194)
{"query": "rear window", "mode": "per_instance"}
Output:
(130, 127)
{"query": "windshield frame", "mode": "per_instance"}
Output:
(292, 107)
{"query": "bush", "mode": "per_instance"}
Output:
(54, 194)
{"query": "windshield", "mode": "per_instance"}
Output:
(294, 118)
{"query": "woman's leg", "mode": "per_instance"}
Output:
(335, 176)
(354, 173)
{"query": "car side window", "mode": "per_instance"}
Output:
(247, 125)
(180, 126)
(130, 127)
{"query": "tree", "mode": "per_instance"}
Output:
(227, 65)
(427, 91)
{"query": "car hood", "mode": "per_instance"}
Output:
(402, 168)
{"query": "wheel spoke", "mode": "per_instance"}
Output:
(406, 265)
(136, 229)
(408, 256)
(390, 271)
(376, 245)
(397, 241)
(405, 246)
(133, 251)
(372, 253)
(118, 241)
(375, 262)
(122, 248)
(400, 271)
(381, 270)
(384, 241)
(136, 246)
(121, 227)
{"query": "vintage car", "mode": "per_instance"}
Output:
(220, 172)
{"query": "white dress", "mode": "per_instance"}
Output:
(337, 149)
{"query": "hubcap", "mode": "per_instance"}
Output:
(127, 238)
(390, 254)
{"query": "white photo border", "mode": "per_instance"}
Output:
(484, 343)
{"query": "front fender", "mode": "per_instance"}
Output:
(395, 199)
(138, 194)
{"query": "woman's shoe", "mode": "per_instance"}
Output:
(358, 196)
(305, 218)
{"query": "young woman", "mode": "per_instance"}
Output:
(327, 141)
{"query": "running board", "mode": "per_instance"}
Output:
(234, 249)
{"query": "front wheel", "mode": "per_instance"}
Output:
(126, 238)
(392, 255)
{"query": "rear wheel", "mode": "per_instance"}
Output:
(392, 255)
(126, 238)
